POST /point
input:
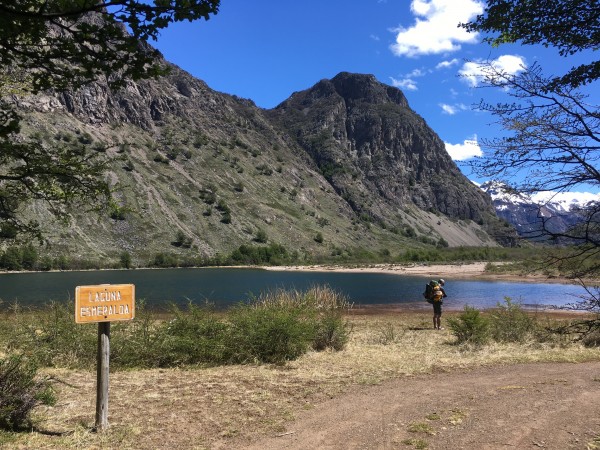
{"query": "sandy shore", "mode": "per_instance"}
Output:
(471, 271)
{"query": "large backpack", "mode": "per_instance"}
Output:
(433, 292)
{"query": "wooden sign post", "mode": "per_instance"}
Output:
(102, 304)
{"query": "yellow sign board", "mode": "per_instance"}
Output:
(104, 303)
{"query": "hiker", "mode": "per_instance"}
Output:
(437, 304)
(434, 294)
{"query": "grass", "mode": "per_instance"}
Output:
(421, 427)
(594, 444)
(207, 407)
(416, 443)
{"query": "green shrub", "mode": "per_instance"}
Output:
(470, 327)
(269, 335)
(591, 339)
(331, 332)
(194, 336)
(20, 392)
(138, 343)
(271, 329)
(509, 323)
(226, 217)
(282, 325)
(12, 259)
(164, 260)
(271, 254)
(261, 236)
(51, 337)
(125, 260)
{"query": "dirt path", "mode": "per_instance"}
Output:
(528, 406)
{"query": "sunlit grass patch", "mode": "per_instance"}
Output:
(594, 444)
(421, 427)
(433, 416)
(416, 443)
(457, 416)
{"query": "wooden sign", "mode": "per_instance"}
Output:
(104, 303)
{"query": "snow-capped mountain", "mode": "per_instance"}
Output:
(532, 214)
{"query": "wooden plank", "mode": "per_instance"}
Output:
(102, 374)
(104, 303)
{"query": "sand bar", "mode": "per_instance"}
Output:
(470, 271)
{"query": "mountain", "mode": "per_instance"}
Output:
(343, 166)
(534, 216)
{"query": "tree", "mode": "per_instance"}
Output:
(553, 133)
(59, 45)
(125, 259)
(570, 26)
(552, 128)
(33, 168)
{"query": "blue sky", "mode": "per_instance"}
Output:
(265, 50)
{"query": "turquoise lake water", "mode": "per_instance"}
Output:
(227, 286)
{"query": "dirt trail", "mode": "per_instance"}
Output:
(527, 406)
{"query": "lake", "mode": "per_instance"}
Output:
(227, 286)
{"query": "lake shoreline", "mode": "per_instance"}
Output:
(475, 271)
(470, 271)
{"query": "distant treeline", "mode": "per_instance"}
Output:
(29, 257)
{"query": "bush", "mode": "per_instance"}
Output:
(261, 236)
(137, 343)
(509, 323)
(269, 335)
(282, 325)
(271, 329)
(194, 336)
(331, 332)
(20, 392)
(591, 339)
(51, 338)
(164, 260)
(470, 327)
(271, 254)
(125, 260)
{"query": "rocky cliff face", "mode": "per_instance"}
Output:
(377, 153)
(347, 161)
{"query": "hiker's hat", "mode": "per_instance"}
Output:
(441, 281)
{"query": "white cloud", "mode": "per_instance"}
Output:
(453, 109)
(468, 149)
(374, 37)
(406, 83)
(448, 109)
(407, 80)
(474, 72)
(436, 27)
(447, 64)
(416, 73)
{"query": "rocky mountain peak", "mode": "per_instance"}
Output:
(534, 216)
(366, 88)
(346, 163)
(376, 152)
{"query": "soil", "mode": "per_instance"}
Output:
(527, 406)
